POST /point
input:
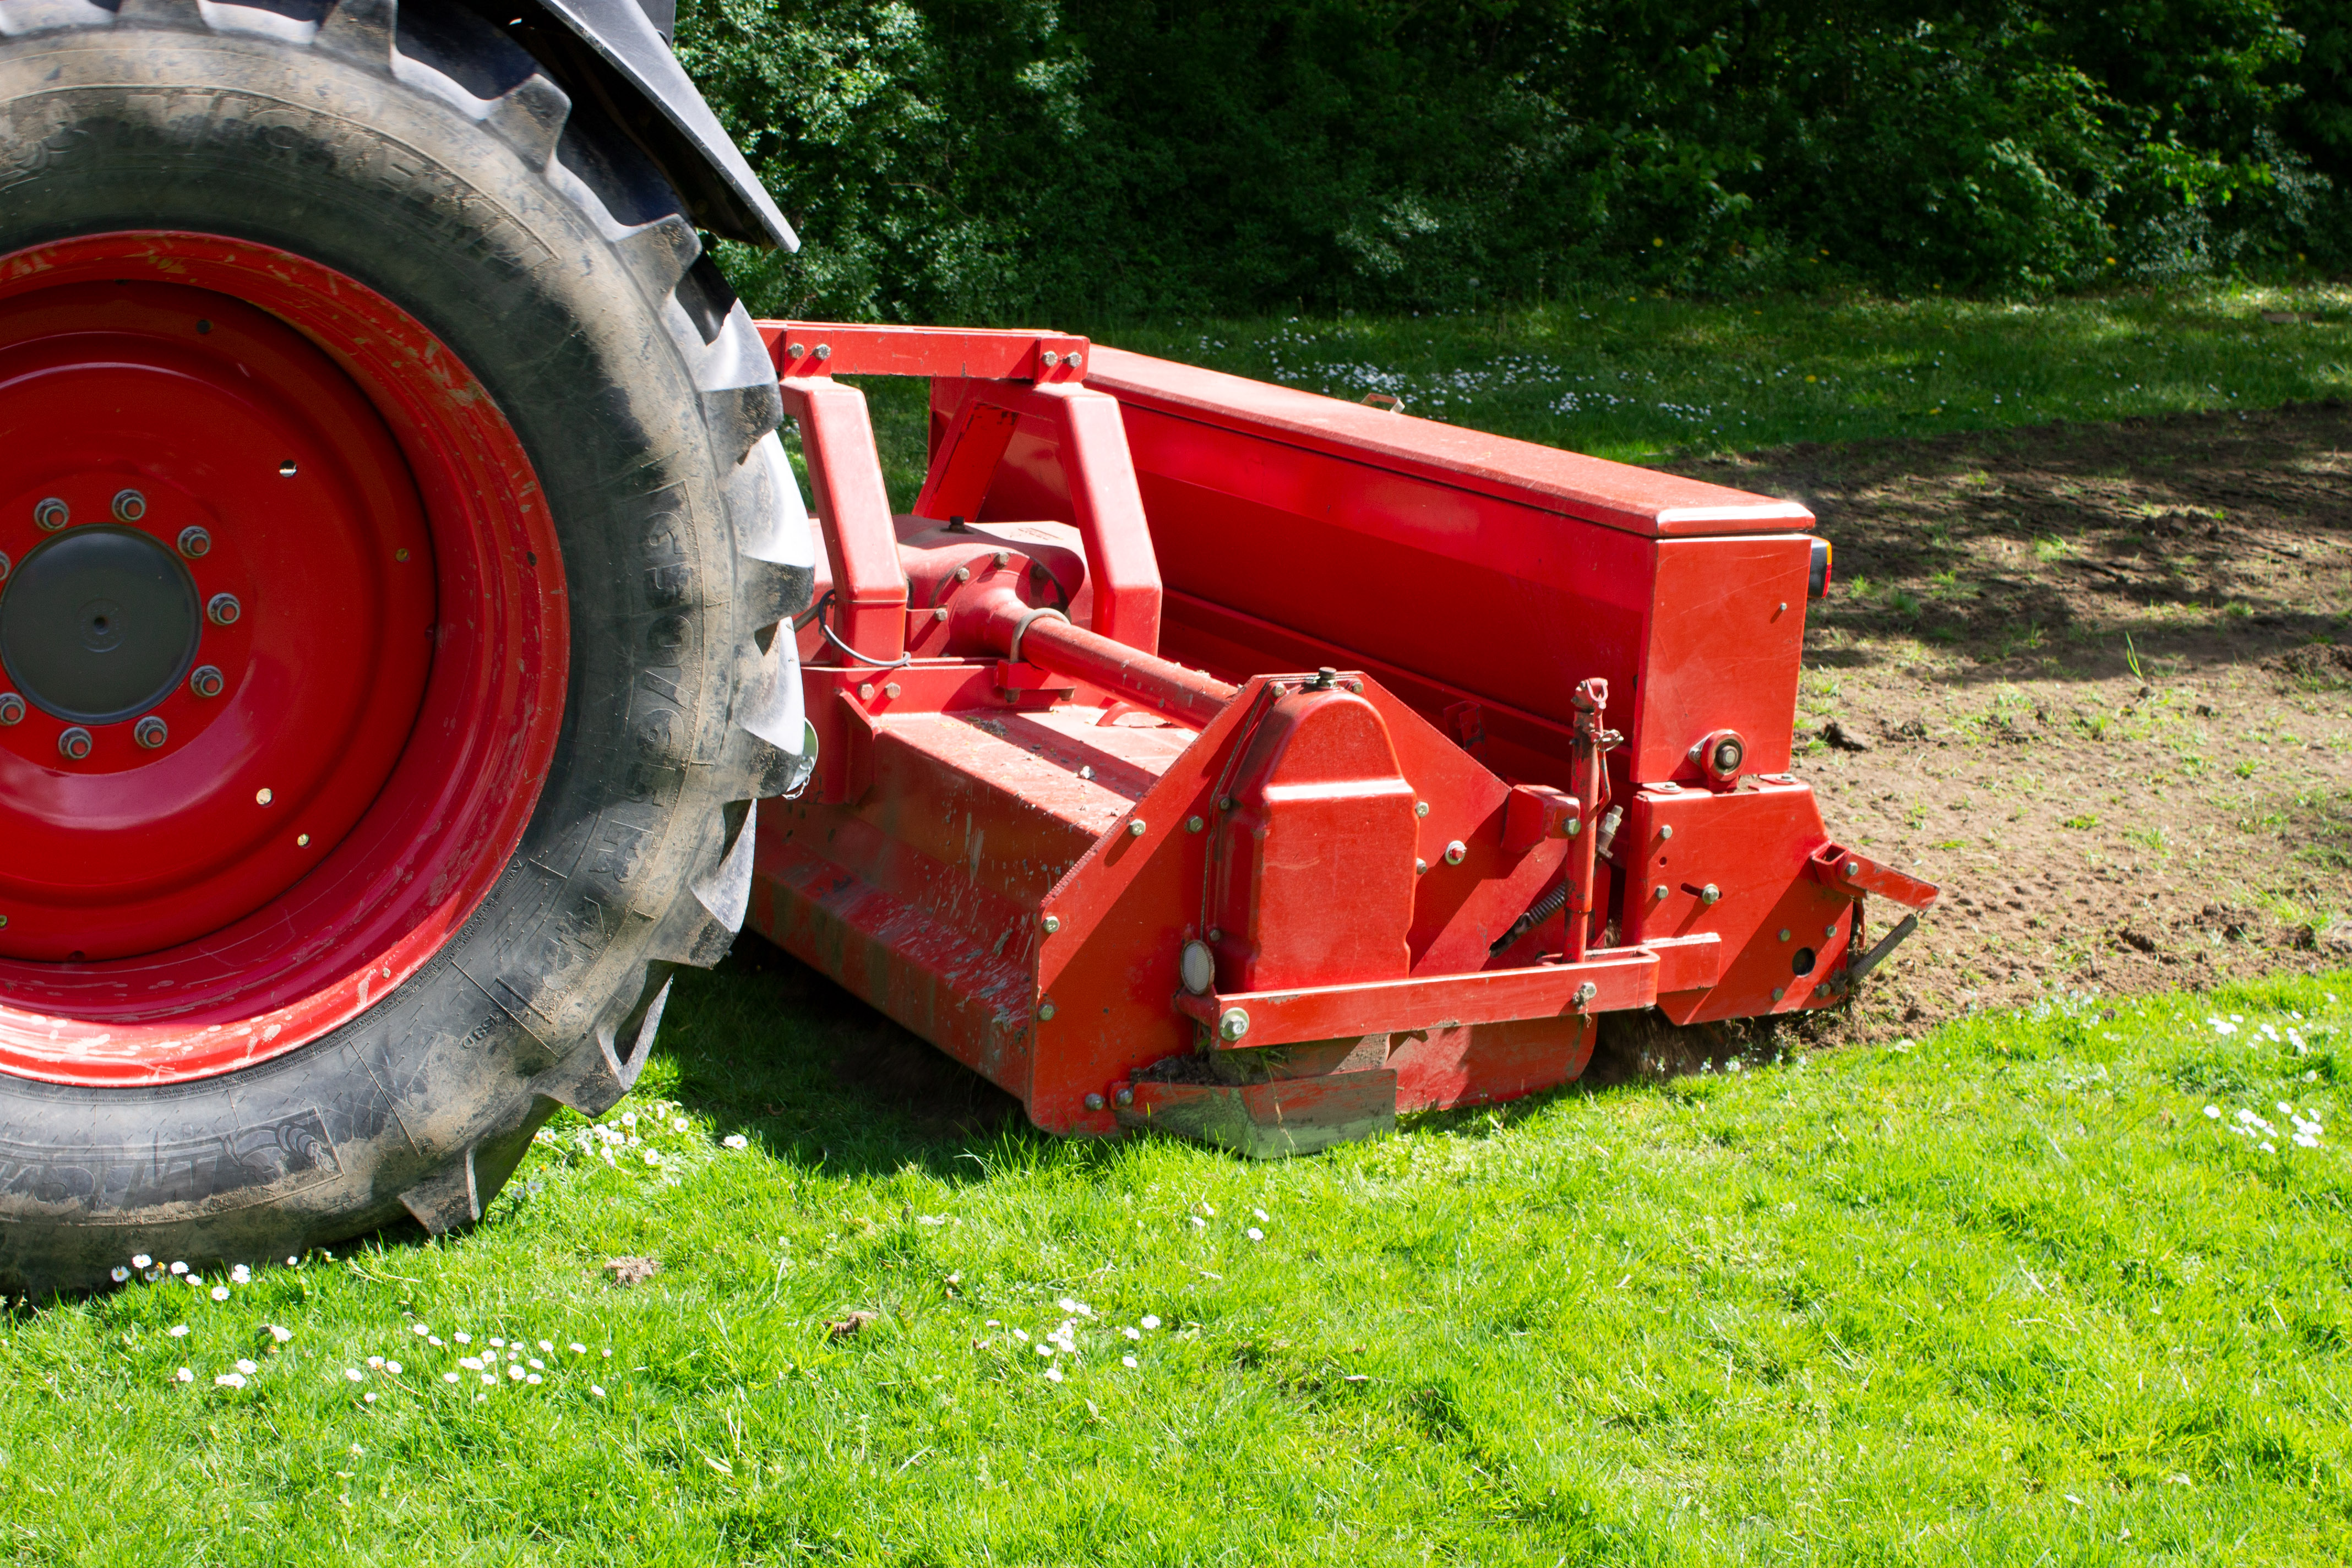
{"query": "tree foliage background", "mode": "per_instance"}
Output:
(993, 159)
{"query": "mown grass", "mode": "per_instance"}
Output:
(2006, 1294)
(1645, 379)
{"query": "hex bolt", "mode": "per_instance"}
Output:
(1454, 851)
(74, 744)
(1585, 993)
(796, 350)
(1778, 992)
(1076, 359)
(1709, 894)
(1784, 934)
(964, 574)
(1420, 868)
(824, 350)
(866, 691)
(1421, 808)
(1659, 891)
(1046, 1012)
(1234, 1023)
(205, 680)
(1830, 930)
(12, 707)
(890, 689)
(223, 610)
(194, 543)
(151, 731)
(941, 613)
(1001, 558)
(51, 514)
(1729, 754)
(130, 506)
(1224, 803)
(1125, 1097)
(1216, 935)
(1193, 824)
(1666, 832)
(1052, 924)
(1094, 1103)
(1049, 359)
(1135, 828)
(1853, 867)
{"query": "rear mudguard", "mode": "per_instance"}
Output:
(616, 55)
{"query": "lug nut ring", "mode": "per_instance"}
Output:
(74, 744)
(52, 514)
(204, 681)
(223, 610)
(151, 731)
(130, 506)
(12, 707)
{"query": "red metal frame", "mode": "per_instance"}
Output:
(288, 858)
(1379, 738)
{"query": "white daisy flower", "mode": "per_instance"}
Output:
(229, 1380)
(392, 1367)
(736, 1141)
(120, 1274)
(140, 1260)
(1149, 1320)
(653, 1156)
(596, 1389)
(376, 1362)
(1130, 1331)
(628, 1119)
(370, 1396)
(491, 1378)
(280, 1335)
(1198, 1222)
(532, 1378)
(419, 1329)
(1054, 1373)
(1262, 1216)
(179, 1268)
(547, 1344)
(241, 1275)
(1044, 1350)
(516, 1374)
(220, 1292)
(246, 1367)
(183, 1375)
(463, 1339)
(679, 1125)
(1254, 1234)
(1126, 1360)
(2213, 1112)
(178, 1330)
(448, 1377)
(496, 1344)
(538, 1365)
(579, 1348)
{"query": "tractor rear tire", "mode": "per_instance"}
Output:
(454, 509)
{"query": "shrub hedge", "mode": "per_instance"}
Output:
(993, 159)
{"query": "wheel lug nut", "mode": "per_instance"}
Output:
(205, 680)
(52, 514)
(74, 744)
(195, 542)
(223, 609)
(12, 707)
(130, 506)
(151, 731)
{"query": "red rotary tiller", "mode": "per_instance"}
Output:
(1213, 756)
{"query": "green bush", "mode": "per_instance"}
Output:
(990, 159)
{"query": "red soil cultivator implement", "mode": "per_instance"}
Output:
(1210, 756)
(403, 591)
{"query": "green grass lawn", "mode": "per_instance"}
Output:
(1645, 379)
(2009, 1293)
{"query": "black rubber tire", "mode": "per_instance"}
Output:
(425, 155)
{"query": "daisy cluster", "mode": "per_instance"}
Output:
(657, 1135)
(1062, 1344)
(457, 1362)
(2305, 1127)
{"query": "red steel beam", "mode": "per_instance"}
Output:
(853, 508)
(842, 348)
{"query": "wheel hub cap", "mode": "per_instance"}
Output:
(99, 624)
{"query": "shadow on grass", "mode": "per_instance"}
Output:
(767, 1046)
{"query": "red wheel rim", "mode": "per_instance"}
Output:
(251, 776)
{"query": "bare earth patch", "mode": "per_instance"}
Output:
(2091, 680)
